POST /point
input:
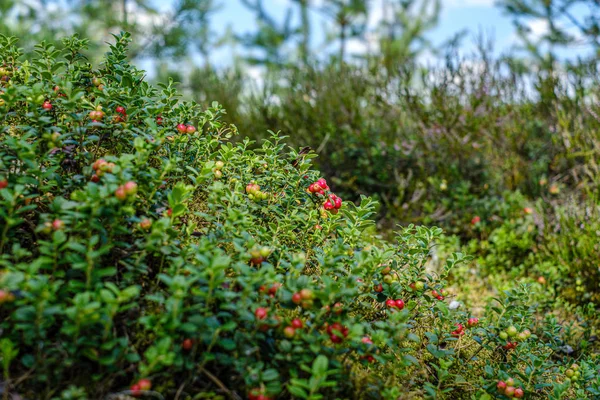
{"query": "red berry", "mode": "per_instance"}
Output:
(145, 224)
(120, 193)
(289, 332)
(471, 322)
(135, 388)
(47, 106)
(3, 183)
(400, 304)
(261, 313)
(130, 188)
(378, 288)
(509, 391)
(254, 393)
(159, 120)
(296, 298)
(187, 344)
(120, 110)
(328, 205)
(273, 289)
(145, 384)
(390, 303)
(297, 323)
(322, 183)
(57, 224)
(307, 294)
(501, 386)
(366, 340)
(95, 178)
(519, 393)
(476, 219)
(335, 338)
(190, 129)
(338, 203)
(181, 128)
(6, 296)
(440, 297)
(169, 212)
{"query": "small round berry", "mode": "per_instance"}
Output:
(307, 294)
(181, 128)
(296, 298)
(519, 393)
(47, 106)
(471, 322)
(190, 129)
(400, 304)
(509, 391)
(130, 188)
(297, 323)
(120, 110)
(219, 164)
(58, 224)
(3, 183)
(187, 344)
(390, 303)
(289, 332)
(261, 313)
(120, 193)
(145, 384)
(145, 224)
(512, 331)
(501, 386)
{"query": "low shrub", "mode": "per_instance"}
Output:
(146, 255)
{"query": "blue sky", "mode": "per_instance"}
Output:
(475, 16)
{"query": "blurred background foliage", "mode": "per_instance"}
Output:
(499, 149)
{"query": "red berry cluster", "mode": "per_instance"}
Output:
(510, 345)
(336, 328)
(509, 390)
(304, 297)
(399, 304)
(272, 291)
(97, 114)
(290, 331)
(142, 384)
(459, 331)
(120, 110)
(126, 190)
(367, 340)
(100, 167)
(320, 187)
(183, 128)
(258, 394)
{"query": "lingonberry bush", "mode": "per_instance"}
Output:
(143, 254)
